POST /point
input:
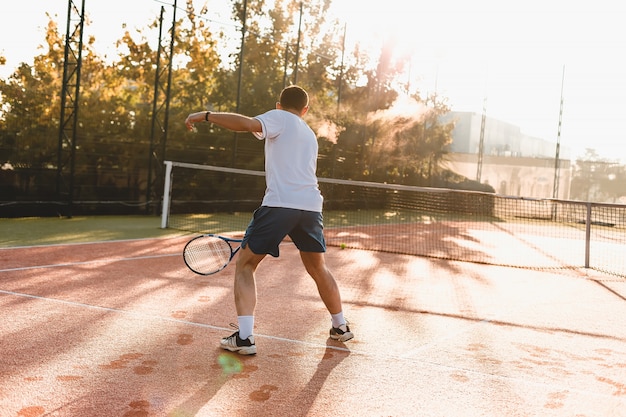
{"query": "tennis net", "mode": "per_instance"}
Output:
(439, 223)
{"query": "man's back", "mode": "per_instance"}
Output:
(290, 162)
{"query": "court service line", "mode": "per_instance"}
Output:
(161, 318)
(108, 309)
(381, 357)
(94, 261)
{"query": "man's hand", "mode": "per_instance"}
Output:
(194, 118)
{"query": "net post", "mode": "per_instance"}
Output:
(166, 194)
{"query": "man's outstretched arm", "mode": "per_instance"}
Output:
(231, 121)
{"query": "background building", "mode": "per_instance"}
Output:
(513, 163)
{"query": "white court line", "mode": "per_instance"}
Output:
(95, 242)
(377, 356)
(109, 309)
(95, 261)
(154, 317)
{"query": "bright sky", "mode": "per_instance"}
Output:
(511, 54)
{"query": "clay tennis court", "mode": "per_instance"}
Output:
(124, 329)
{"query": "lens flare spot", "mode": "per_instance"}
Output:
(229, 364)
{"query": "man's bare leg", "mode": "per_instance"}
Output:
(315, 264)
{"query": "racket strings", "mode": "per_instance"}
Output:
(207, 254)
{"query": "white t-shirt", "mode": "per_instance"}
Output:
(290, 162)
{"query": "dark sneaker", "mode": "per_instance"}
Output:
(236, 344)
(341, 333)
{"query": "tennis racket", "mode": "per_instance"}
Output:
(208, 254)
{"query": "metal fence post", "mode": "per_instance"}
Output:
(587, 235)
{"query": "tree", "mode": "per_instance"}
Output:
(116, 100)
(30, 102)
(597, 179)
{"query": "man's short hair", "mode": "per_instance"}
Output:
(294, 98)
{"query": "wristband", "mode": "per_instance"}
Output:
(206, 116)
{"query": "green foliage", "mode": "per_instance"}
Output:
(349, 101)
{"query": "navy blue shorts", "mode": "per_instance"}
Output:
(270, 225)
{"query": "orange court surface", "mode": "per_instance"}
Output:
(124, 329)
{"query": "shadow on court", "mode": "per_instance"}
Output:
(124, 329)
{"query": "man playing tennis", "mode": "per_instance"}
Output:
(292, 205)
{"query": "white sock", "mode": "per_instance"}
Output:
(246, 325)
(337, 319)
